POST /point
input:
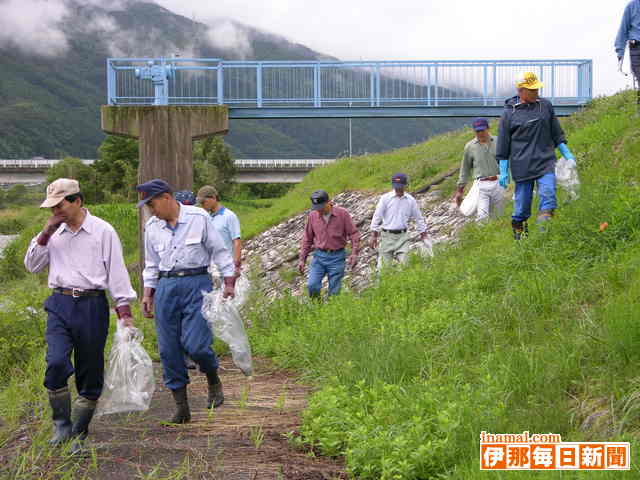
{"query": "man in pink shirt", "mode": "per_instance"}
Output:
(84, 255)
(327, 231)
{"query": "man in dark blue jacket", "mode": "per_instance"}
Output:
(529, 133)
(629, 31)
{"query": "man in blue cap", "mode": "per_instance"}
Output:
(180, 243)
(392, 215)
(479, 162)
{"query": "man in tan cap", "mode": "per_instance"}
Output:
(84, 255)
(529, 134)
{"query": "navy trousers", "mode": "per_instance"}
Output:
(182, 328)
(78, 325)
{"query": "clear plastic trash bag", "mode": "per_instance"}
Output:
(567, 177)
(470, 203)
(425, 248)
(129, 382)
(225, 322)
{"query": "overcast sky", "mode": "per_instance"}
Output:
(437, 29)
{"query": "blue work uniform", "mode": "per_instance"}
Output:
(179, 251)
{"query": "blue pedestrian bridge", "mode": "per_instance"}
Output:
(333, 89)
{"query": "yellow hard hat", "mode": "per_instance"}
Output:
(528, 80)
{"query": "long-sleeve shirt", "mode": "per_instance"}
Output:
(394, 212)
(89, 259)
(329, 235)
(193, 243)
(629, 27)
(528, 136)
(479, 158)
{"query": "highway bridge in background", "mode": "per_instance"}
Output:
(333, 89)
(290, 170)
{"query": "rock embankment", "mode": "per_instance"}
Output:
(273, 254)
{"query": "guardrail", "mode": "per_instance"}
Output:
(267, 164)
(266, 84)
(35, 163)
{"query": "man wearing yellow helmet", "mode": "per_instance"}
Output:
(529, 133)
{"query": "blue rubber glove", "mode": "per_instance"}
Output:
(504, 173)
(566, 153)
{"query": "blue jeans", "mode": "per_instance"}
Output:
(80, 325)
(331, 264)
(182, 328)
(524, 196)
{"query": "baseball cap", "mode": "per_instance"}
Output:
(185, 197)
(528, 80)
(480, 124)
(56, 191)
(206, 192)
(152, 188)
(318, 199)
(399, 180)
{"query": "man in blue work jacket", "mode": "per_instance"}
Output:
(529, 134)
(180, 243)
(629, 32)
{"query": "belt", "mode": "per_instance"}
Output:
(328, 250)
(76, 292)
(187, 272)
(488, 179)
(634, 43)
(395, 232)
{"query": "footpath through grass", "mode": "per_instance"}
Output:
(491, 335)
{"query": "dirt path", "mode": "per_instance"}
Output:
(218, 446)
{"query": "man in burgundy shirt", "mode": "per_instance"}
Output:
(327, 230)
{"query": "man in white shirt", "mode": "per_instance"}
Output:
(84, 255)
(390, 222)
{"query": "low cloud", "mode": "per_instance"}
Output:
(227, 35)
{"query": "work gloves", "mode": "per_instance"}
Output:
(229, 287)
(566, 153)
(504, 173)
(147, 302)
(124, 313)
(459, 195)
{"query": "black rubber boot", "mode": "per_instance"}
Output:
(183, 414)
(216, 396)
(520, 229)
(60, 401)
(83, 411)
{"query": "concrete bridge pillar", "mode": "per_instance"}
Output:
(165, 135)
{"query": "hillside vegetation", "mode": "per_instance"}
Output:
(491, 334)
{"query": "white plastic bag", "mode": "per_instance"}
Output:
(567, 177)
(225, 322)
(470, 203)
(425, 248)
(129, 383)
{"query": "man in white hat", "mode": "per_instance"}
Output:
(84, 255)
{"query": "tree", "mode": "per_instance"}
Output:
(117, 167)
(213, 164)
(16, 194)
(86, 175)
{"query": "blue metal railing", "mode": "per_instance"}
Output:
(269, 84)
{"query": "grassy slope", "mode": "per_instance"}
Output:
(493, 335)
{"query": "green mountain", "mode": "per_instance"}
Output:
(49, 105)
